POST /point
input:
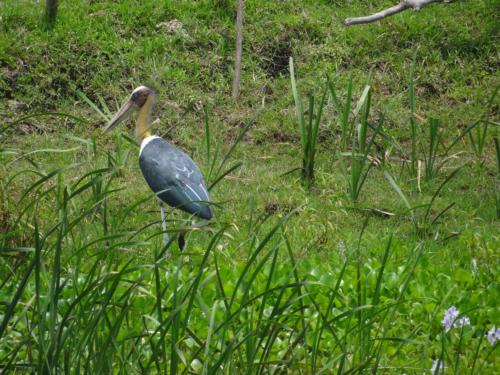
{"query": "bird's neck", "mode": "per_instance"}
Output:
(144, 120)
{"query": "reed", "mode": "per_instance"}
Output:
(308, 128)
(359, 163)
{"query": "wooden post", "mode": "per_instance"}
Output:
(50, 13)
(239, 47)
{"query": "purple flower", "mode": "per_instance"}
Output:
(493, 335)
(450, 316)
(451, 320)
(463, 321)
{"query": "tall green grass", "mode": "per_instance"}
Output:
(478, 135)
(430, 155)
(430, 146)
(85, 306)
(95, 292)
(308, 128)
(359, 163)
(344, 110)
(356, 134)
(424, 223)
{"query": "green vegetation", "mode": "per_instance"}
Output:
(309, 132)
(351, 272)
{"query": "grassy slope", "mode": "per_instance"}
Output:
(105, 49)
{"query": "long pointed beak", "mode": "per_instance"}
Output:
(119, 116)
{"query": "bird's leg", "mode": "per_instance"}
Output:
(164, 224)
(181, 238)
(181, 241)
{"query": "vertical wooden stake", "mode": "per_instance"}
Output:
(239, 48)
(50, 13)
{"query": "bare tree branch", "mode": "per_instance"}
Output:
(403, 5)
(239, 48)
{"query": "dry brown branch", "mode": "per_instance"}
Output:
(403, 5)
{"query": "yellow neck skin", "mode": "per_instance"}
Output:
(143, 119)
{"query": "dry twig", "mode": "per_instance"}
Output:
(403, 5)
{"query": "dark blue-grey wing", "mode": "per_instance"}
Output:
(175, 178)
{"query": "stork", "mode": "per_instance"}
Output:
(170, 173)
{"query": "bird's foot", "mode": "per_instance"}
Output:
(181, 241)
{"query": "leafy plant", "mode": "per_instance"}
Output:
(430, 156)
(308, 129)
(434, 160)
(497, 152)
(477, 138)
(346, 126)
(421, 212)
(356, 172)
(479, 133)
(413, 121)
(434, 134)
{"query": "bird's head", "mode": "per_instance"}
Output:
(141, 99)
